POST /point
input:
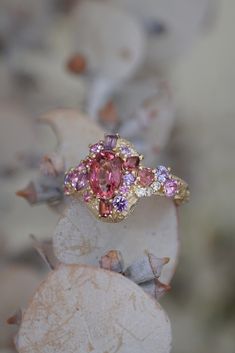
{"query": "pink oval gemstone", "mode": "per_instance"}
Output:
(146, 176)
(105, 174)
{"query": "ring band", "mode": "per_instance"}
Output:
(111, 179)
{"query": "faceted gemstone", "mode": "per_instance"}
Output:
(124, 189)
(156, 186)
(146, 176)
(125, 150)
(97, 147)
(140, 192)
(148, 192)
(68, 177)
(105, 174)
(129, 179)
(77, 178)
(170, 187)
(120, 203)
(132, 162)
(162, 174)
(81, 181)
(110, 141)
(105, 208)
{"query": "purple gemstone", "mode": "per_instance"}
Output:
(82, 181)
(170, 187)
(124, 189)
(125, 150)
(77, 178)
(120, 203)
(129, 179)
(71, 178)
(162, 174)
(110, 141)
(67, 178)
(97, 147)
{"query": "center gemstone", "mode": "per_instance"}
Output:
(105, 174)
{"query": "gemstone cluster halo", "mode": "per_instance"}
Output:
(111, 179)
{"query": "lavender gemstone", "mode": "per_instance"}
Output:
(125, 150)
(110, 141)
(120, 203)
(96, 148)
(170, 187)
(82, 181)
(76, 178)
(129, 179)
(162, 174)
(71, 178)
(124, 189)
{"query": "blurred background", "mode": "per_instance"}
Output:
(161, 72)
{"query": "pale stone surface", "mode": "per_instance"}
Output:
(17, 285)
(74, 132)
(111, 40)
(181, 22)
(83, 309)
(80, 238)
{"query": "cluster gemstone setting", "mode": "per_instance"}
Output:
(112, 178)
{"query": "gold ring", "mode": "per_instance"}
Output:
(112, 178)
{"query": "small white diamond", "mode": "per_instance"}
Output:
(148, 192)
(156, 186)
(140, 192)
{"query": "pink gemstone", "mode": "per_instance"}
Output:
(132, 162)
(146, 176)
(105, 208)
(170, 187)
(105, 174)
